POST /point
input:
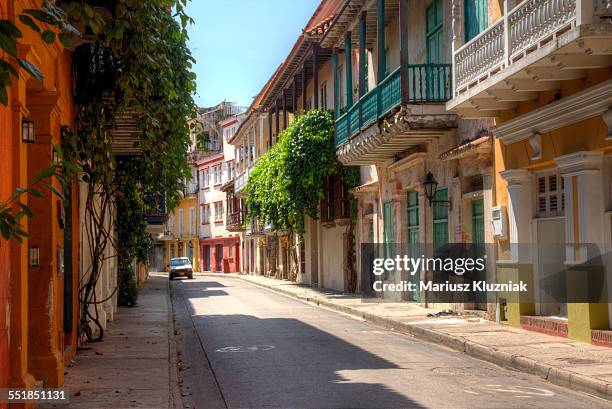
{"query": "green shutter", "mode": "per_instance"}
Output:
(435, 79)
(478, 240)
(440, 217)
(476, 18)
(413, 238)
(413, 218)
(478, 230)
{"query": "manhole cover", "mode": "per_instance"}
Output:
(246, 348)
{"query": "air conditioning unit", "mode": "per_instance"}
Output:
(499, 222)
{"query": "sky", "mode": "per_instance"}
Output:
(238, 45)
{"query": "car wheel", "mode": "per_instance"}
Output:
(171, 276)
(190, 276)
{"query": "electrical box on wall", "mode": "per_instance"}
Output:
(498, 220)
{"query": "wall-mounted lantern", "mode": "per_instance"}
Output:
(28, 131)
(57, 160)
(33, 256)
(430, 184)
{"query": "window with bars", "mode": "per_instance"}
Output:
(218, 211)
(205, 213)
(181, 222)
(205, 177)
(550, 195)
(191, 221)
(345, 202)
(413, 218)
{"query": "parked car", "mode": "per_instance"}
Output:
(180, 267)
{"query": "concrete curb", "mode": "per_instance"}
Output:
(175, 401)
(555, 375)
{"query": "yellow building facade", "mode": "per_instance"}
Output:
(544, 74)
(181, 236)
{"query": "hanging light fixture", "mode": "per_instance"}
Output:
(28, 131)
(430, 185)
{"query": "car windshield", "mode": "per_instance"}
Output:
(179, 262)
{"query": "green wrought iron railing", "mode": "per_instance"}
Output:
(426, 83)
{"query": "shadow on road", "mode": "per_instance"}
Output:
(282, 362)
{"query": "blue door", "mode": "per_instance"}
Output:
(206, 258)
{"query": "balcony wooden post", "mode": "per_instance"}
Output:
(315, 76)
(335, 70)
(303, 88)
(403, 26)
(380, 20)
(363, 55)
(277, 119)
(270, 128)
(294, 96)
(348, 64)
(284, 94)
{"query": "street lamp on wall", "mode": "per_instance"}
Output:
(28, 131)
(430, 184)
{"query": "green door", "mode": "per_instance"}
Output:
(413, 219)
(440, 227)
(476, 18)
(440, 217)
(413, 237)
(478, 243)
(478, 230)
(434, 78)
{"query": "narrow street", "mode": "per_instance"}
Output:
(243, 346)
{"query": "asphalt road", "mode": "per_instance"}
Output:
(241, 346)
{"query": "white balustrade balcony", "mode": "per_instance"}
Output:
(530, 49)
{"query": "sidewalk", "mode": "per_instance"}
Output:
(564, 362)
(131, 368)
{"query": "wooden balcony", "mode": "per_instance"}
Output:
(533, 48)
(366, 133)
(235, 221)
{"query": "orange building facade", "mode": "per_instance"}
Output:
(38, 295)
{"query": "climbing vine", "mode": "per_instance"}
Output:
(136, 65)
(131, 228)
(287, 182)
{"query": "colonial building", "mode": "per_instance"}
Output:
(181, 235)
(214, 166)
(390, 76)
(38, 277)
(542, 70)
(251, 140)
(303, 81)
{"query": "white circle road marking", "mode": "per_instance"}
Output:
(247, 348)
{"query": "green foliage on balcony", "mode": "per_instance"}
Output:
(286, 183)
